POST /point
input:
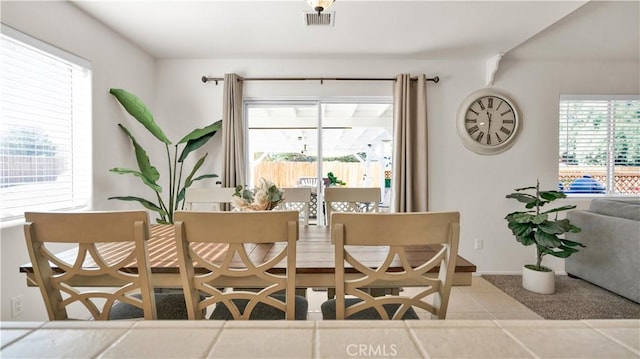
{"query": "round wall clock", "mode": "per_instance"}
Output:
(488, 121)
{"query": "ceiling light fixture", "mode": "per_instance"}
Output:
(320, 5)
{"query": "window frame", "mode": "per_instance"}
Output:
(76, 193)
(609, 166)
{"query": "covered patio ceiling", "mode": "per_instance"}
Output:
(347, 128)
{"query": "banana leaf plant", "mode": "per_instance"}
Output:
(148, 173)
(534, 226)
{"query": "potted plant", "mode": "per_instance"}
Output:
(148, 173)
(332, 180)
(544, 230)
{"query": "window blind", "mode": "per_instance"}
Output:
(45, 133)
(599, 144)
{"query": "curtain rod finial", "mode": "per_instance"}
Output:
(204, 79)
(436, 79)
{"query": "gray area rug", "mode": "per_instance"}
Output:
(574, 299)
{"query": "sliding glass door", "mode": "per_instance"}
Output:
(320, 143)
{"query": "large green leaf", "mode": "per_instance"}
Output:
(208, 175)
(520, 229)
(560, 209)
(569, 243)
(524, 188)
(523, 217)
(144, 202)
(552, 195)
(198, 138)
(551, 227)
(547, 240)
(188, 181)
(539, 218)
(522, 197)
(136, 108)
(200, 132)
(144, 164)
(563, 252)
(154, 186)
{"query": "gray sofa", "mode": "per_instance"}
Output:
(611, 232)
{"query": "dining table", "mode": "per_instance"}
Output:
(315, 264)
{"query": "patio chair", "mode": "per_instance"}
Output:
(208, 199)
(298, 199)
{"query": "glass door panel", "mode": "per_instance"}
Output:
(352, 149)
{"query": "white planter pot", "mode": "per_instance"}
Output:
(538, 282)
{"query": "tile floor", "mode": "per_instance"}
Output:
(479, 301)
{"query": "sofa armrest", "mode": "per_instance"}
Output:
(611, 258)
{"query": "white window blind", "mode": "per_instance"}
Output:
(45, 133)
(599, 144)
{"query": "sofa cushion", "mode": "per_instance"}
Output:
(628, 208)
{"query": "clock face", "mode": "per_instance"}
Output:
(488, 122)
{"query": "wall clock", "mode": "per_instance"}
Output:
(488, 121)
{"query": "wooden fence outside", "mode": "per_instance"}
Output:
(26, 169)
(286, 174)
(626, 179)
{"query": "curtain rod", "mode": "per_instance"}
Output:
(206, 79)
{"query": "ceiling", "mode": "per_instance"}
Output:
(373, 29)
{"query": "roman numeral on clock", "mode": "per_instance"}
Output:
(473, 130)
(506, 112)
(490, 102)
(477, 113)
(481, 105)
(505, 130)
(471, 120)
(507, 121)
(498, 137)
(479, 137)
(488, 138)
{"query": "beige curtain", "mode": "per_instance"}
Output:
(233, 170)
(409, 172)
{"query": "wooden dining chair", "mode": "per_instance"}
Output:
(246, 235)
(397, 233)
(351, 199)
(208, 199)
(55, 276)
(298, 199)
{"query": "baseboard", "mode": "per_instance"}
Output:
(479, 273)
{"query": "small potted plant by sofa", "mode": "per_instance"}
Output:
(533, 226)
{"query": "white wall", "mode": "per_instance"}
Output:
(460, 180)
(115, 63)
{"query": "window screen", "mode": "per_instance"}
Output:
(45, 132)
(599, 144)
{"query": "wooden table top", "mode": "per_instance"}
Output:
(315, 253)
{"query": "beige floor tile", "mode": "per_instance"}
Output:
(164, 343)
(478, 285)
(69, 343)
(262, 343)
(567, 342)
(484, 315)
(498, 302)
(375, 342)
(629, 337)
(515, 315)
(461, 302)
(9, 335)
(471, 342)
